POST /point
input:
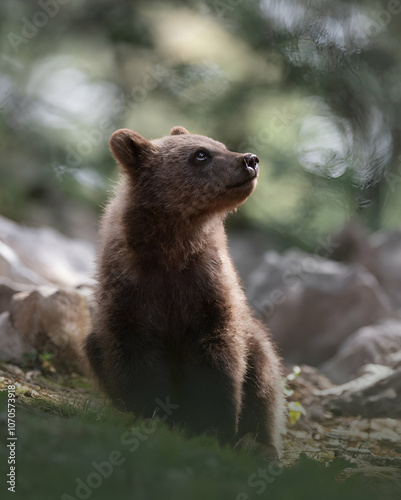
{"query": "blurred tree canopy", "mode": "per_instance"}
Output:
(312, 87)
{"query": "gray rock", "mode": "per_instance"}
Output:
(12, 344)
(374, 344)
(14, 269)
(374, 394)
(42, 255)
(312, 305)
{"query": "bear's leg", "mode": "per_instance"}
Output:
(93, 351)
(262, 415)
(211, 400)
(137, 381)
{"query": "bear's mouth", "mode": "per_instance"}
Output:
(244, 182)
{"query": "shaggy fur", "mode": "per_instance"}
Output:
(171, 318)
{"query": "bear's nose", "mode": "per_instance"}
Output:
(251, 161)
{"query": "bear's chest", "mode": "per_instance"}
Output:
(174, 307)
(183, 302)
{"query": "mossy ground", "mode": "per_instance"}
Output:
(66, 435)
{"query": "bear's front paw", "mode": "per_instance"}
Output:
(267, 452)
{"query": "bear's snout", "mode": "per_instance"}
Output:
(241, 177)
(251, 161)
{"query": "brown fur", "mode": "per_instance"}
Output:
(171, 318)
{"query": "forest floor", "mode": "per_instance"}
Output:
(71, 444)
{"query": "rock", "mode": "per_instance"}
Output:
(312, 305)
(46, 320)
(374, 344)
(12, 344)
(374, 394)
(387, 244)
(13, 268)
(7, 289)
(394, 360)
(42, 255)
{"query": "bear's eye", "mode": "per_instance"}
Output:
(201, 155)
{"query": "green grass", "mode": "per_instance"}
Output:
(57, 450)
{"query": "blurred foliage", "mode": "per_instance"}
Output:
(312, 87)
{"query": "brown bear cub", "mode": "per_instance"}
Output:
(171, 321)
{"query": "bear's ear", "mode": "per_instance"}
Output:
(130, 149)
(178, 131)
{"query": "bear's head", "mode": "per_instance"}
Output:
(184, 174)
